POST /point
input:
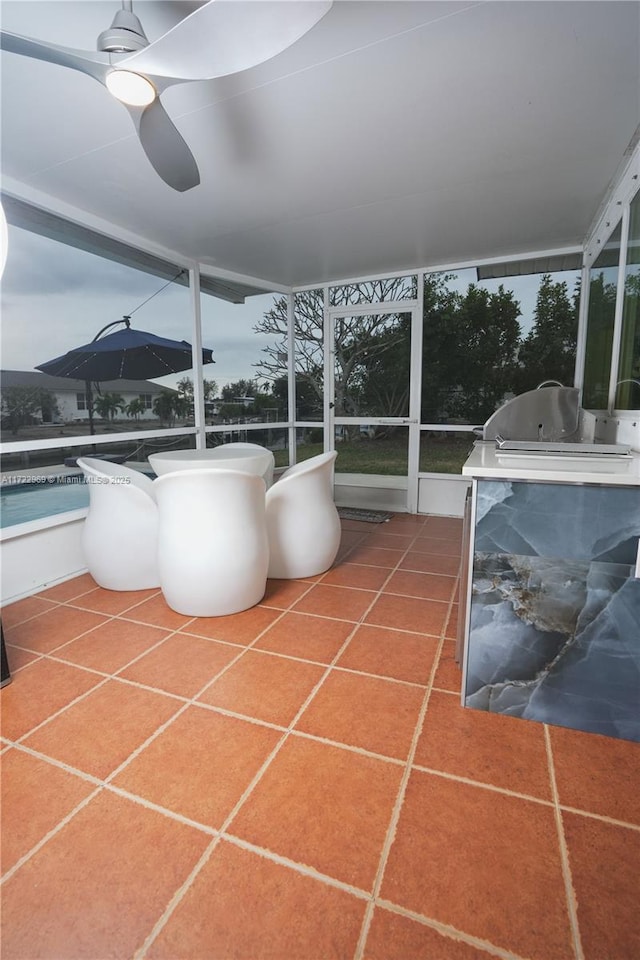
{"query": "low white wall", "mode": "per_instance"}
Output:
(442, 496)
(370, 492)
(438, 495)
(39, 554)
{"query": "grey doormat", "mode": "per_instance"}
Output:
(367, 516)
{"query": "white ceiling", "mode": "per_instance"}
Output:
(393, 135)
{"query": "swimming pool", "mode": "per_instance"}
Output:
(46, 497)
(21, 502)
(23, 499)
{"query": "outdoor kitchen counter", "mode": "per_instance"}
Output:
(550, 601)
(487, 462)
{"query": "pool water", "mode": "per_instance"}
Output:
(20, 503)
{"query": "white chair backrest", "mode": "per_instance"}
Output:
(120, 533)
(302, 520)
(322, 464)
(105, 470)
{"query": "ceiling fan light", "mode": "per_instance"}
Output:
(131, 88)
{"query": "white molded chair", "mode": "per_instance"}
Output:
(302, 520)
(269, 460)
(213, 552)
(120, 534)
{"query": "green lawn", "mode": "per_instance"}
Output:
(389, 456)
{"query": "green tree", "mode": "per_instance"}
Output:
(240, 388)
(107, 405)
(308, 403)
(628, 387)
(210, 388)
(167, 406)
(379, 383)
(470, 343)
(599, 344)
(442, 355)
(549, 350)
(135, 408)
(185, 389)
(488, 337)
(21, 404)
(309, 362)
(248, 398)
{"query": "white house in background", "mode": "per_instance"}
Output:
(71, 397)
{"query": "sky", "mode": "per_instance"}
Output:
(55, 297)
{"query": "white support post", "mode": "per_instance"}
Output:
(328, 414)
(198, 375)
(583, 315)
(415, 397)
(617, 322)
(291, 378)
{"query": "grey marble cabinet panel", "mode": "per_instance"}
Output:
(554, 630)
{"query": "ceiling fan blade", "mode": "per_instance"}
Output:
(94, 64)
(224, 37)
(167, 152)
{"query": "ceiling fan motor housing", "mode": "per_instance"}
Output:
(125, 35)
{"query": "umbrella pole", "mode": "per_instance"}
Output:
(89, 397)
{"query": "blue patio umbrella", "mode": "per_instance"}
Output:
(126, 354)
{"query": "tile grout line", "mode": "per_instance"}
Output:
(447, 930)
(394, 819)
(55, 604)
(49, 835)
(16, 670)
(59, 764)
(298, 867)
(108, 618)
(572, 904)
(395, 813)
(565, 808)
(176, 899)
(57, 713)
(482, 784)
(157, 808)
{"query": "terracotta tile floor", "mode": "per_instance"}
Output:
(299, 781)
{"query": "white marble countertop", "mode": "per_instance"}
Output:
(487, 462)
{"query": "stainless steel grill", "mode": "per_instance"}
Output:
(548, 421)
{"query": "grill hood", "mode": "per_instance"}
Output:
(548, 420)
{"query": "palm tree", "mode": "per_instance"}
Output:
(164, 406)
(108, 404)
(135, 408)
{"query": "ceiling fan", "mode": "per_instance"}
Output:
(219, 38)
